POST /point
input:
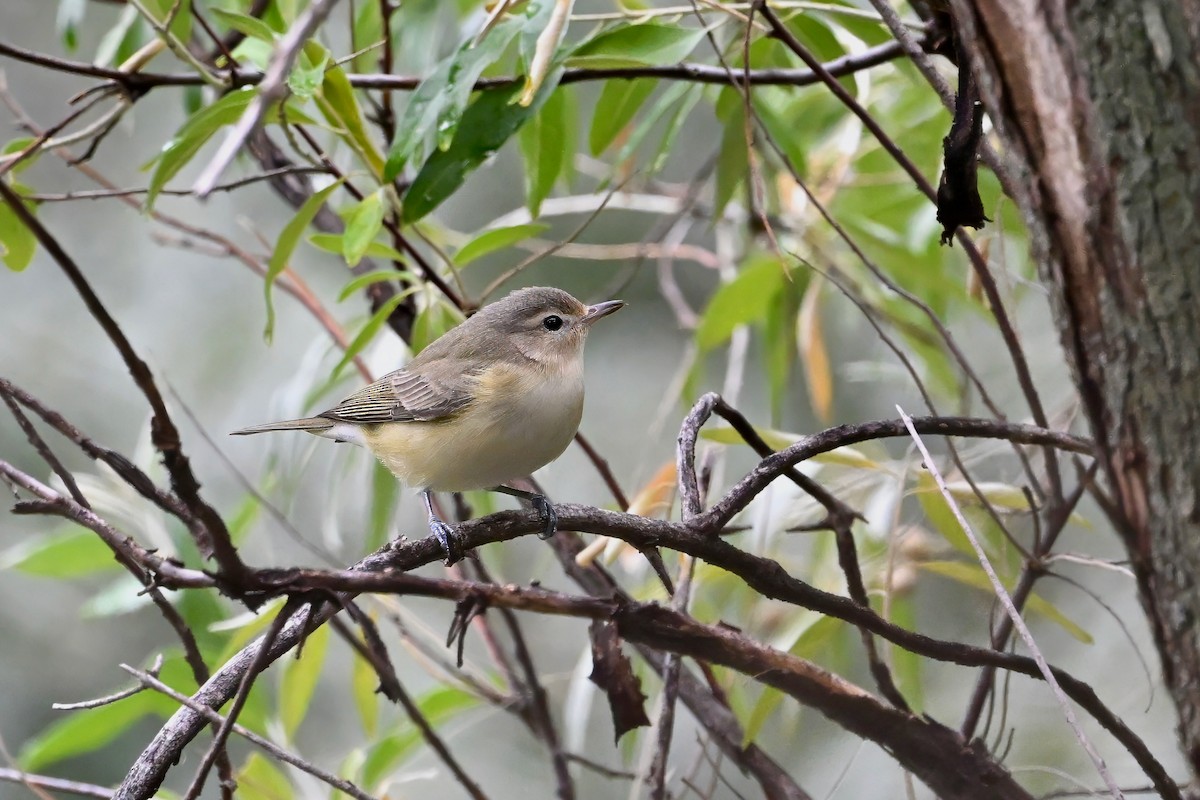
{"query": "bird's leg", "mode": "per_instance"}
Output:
(445, 535)
(540, 504)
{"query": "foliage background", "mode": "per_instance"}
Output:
(199, 322)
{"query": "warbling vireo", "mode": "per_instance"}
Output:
(492, 400)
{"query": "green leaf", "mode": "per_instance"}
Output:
(368, 331)
(496, 239)
(941, 517)
(732, 162)
(83, 731)
(433, 321)
(332, 243)
(16, 146)
(363, 223)
(633, 45)
(438, 706)
(745, 299)
(974, 576)
(375, 276)
(769, 699)
(618, 102)
(244, 23)
(363, 683)
(368, 29)
(17, 242)
(679, 113)
(199, 128)
(121, 40)
(845, 456)
(436, 108)
(546, 149)
(64, 555)
(339, 105)
(285, 245)
(124, 595)
(259, 779)
(486, 125)
(385, 491)
(299, 680)
(308, 74)
(70, 17)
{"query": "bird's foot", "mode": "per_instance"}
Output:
(546, 512)
(448, 539)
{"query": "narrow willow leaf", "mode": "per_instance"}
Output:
(637, 44)
(436, 107)
(813, 353)
(732, 162)
(285, 245)
(199, 128)
(363, 223)
(486, 125)
(253, 27)
(332, 243)
(377, 276)
(81, 732)
(363, 683)
(438, 706)
(618, 102)
(69, 554)
(17, 242)
(656, 496)
(299, 680)
(743, 300)
(309, 73)
(260, 779)
(974, 576)
(845, 456)
(16, 146)
(545, 47)
(339, 105)
(496, 239)
(769, 699)
(368, 331)
(545, 149)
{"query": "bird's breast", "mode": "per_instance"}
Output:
(519, 420)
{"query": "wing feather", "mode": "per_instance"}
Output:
(404, 396)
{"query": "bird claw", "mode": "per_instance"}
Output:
(546, 512)
(447, 538)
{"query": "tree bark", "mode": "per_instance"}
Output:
(1098, 106)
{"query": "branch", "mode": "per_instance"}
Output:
(1013, 613)
(272, 89)
(692, 73)
(163, 432)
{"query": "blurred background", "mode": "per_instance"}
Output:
(198, 320)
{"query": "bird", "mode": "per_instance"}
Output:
(490, 401)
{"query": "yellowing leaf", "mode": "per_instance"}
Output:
(300, 680)
(811, 344)
(974, 576)
(780, 440)
(656, 496)
(543, 54)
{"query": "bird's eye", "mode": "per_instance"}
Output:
(552, 322)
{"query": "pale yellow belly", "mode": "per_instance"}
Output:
(502, 436)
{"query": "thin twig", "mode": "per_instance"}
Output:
(272, 89)
(1013, 613)
(267, 745)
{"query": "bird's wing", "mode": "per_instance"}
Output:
(404, 396)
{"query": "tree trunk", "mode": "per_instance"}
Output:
(1098, 106)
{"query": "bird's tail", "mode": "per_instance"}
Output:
(317, 425)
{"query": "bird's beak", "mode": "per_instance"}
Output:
(601, 310)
